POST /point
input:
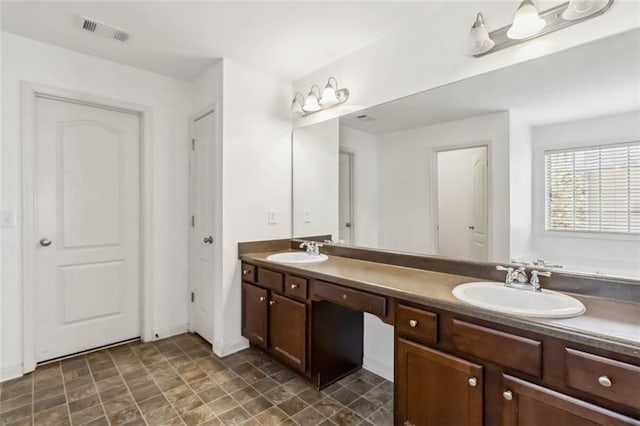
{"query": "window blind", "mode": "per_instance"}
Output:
(595, 189)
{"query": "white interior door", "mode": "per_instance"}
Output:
(202, 225)
(479, 234)
(345, 203)
(87, 217)
(462, 203)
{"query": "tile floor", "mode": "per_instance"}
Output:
(179, 381)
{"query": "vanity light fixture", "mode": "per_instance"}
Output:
(314, 102)
(529, 24)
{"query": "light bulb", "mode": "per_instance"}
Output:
(578, 9)
(526, 22)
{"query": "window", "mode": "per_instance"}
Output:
(595, 189)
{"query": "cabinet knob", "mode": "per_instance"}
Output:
(413, 323)
(344, 296)
(272, 302)
(507, 395)
(605, 381)
(262, 298)
(245, 272)
(294, 286)
(473, 382)
(408, 423)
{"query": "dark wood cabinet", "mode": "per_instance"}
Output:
(254, 314)
(287, 330)
(526, 404)
(436, 389)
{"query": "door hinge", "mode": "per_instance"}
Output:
(193, 297)
(193, 144)
(193, 221)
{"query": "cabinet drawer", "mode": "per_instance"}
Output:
(248, 273)
(505, 349)
(354, 299)
(270, 279)
(296, 287)
(613, 380)
(417, 325)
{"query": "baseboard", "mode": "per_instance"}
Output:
(9, 373)
(223, 350)
(379, 368)
(172, 331)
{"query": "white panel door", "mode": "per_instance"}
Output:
(87, 205)
(480, 212)
(202, 237)
(345, 194)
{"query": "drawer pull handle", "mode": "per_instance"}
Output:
(272, 302)
(413, 323)
(605, 381)
(473, 382)
(344, 296)
(294, 286)
(262, 298)
(507, 395)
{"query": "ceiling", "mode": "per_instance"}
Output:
(182, 38)
(598, 78)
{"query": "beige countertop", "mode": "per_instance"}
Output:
(608, 324)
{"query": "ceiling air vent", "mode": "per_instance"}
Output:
(103, 30)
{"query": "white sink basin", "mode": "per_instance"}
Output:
(297, 257)
(496, 297)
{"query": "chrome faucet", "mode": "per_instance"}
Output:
(517, 278)
(312, 247)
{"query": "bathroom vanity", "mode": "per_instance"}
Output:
(454, 364)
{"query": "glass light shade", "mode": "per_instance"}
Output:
(479, 41)
(578, 9)
(311, 103)
(526, 22)
(296, 108)
(329, 97)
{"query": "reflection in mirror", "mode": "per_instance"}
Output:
(538, 162)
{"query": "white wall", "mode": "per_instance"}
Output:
(256, 177)
(315, 179)
(521, 190)
(587, 252)
(432, 52)
(364, 147)
(405, 163)
(170, 101)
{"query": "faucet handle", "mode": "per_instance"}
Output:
(509, 272)
(535, 274)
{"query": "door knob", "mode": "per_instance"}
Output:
(45, 242)
(208, 240)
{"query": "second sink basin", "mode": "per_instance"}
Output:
(297, 257)
(495, 296)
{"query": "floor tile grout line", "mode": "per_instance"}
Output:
(66, 397)
(93, 380)
(126, 386)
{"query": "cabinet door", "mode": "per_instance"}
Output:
(526, 404)
(288, 330)
(254, 314)
(435, 389)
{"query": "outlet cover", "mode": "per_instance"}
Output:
(272, 217)
(307, 216)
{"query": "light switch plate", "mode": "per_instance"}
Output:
(7, 218)
(307, 216)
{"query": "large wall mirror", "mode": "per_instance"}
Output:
(538, 163)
